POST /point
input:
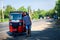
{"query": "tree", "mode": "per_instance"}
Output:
(22, 9)
(7, 10)
(39, 11)
(35, 14)
(43, 13)
(57, 7)
(51, 12)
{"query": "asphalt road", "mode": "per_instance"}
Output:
(41, 30)
(5, 25)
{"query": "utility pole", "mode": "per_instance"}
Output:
(2, 14)
(30, 11)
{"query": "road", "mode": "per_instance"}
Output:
(41, 30)
(5, 25)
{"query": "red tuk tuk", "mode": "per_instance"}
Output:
(16, 22)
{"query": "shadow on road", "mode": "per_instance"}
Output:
(51, 33)
(48, 34)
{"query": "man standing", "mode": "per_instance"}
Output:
(27, 23)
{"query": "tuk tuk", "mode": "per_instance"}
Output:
(16, 22)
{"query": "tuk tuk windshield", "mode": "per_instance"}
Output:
(15, 16)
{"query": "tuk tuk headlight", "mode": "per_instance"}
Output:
(19, 23)
(10, 23)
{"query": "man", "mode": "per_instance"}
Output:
(27, 23)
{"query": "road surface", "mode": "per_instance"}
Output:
(41, 30)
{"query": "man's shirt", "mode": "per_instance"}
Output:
(27, 20)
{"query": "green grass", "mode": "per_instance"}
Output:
(5, 20)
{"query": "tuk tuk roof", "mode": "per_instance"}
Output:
(16, 11)
(19, 12)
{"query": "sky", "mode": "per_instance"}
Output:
(35, 4)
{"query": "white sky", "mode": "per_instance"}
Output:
(35, 4)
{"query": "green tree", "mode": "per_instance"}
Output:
(39, 11)
(57, 7)
(35, 15)
(22, 9)
(51, 12)
(7, 10)
(43, 13)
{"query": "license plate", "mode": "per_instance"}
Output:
(15, 29)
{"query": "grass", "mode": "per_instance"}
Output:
(5, 20)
